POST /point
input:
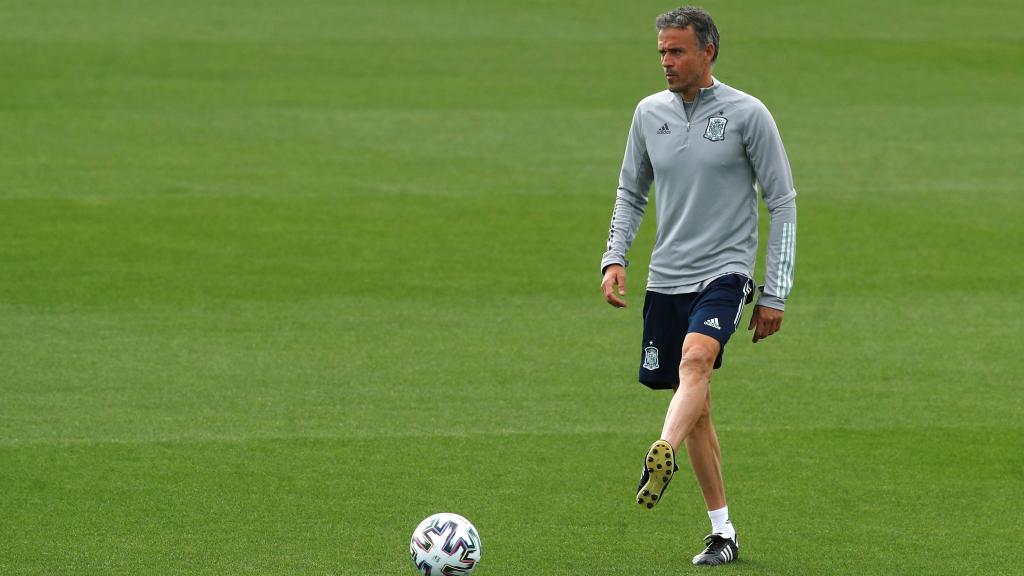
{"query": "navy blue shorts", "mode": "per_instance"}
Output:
(668, 318)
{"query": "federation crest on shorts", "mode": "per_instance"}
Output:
(651, 358)
(716, 128)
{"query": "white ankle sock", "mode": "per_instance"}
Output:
(720, 523)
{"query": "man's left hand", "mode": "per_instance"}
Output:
(764, 322)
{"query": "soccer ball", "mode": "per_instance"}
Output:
(445, 544)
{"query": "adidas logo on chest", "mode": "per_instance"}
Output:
(664, 129)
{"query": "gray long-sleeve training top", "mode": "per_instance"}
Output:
(704, 168)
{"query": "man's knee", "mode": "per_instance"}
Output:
(698, 358)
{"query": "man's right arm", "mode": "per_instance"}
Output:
(631, 198)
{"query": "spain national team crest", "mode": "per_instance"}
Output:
(651, 358)
(716, 128)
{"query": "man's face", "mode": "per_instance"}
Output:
(685, 64)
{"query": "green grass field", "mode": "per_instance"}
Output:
(280, 279)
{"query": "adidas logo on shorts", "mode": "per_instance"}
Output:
(713, 323)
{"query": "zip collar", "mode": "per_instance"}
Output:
(703, 93)
(704, 96)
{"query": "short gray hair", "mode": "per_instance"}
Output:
(696, 17)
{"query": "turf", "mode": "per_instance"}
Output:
(278, 280)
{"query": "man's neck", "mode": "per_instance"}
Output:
(691, 95)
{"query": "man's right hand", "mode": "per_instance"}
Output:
(614, 278)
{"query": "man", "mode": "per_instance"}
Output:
(703, 144)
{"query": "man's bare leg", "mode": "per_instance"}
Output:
(691, 397)
(706, 458)
(688, 419)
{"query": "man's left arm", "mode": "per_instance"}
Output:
(771, 166)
